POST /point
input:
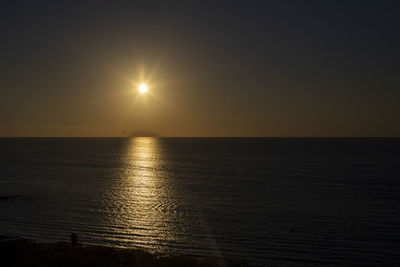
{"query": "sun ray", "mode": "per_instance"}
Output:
(143, 87)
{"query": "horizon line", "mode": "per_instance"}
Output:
(129, 137)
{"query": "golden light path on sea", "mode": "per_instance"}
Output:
(147, 214)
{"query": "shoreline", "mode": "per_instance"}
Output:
(16, 251)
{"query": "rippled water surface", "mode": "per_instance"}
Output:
(267, 201)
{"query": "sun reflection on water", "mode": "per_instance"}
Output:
(143, 196)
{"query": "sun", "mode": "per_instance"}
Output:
(142, 88)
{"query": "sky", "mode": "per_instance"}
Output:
(213, 68)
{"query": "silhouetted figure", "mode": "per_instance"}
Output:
(74, 239)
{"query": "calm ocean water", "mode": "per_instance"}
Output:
(266, 201)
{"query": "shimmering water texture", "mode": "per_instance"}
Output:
(267, 201)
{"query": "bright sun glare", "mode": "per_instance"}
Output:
(142, 88)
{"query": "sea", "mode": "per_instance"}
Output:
(265, 201)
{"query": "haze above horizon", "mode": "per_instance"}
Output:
(200, 69)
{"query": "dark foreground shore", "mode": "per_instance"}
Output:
(25, 252)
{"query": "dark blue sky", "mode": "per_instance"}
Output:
(219, 68)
